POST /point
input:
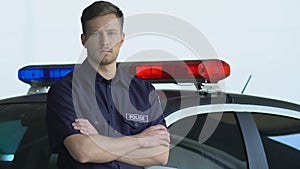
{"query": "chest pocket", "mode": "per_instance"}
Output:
(135, 123)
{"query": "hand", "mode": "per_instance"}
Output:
(84, 126)
(154, 136)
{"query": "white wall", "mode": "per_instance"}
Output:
(256, 37)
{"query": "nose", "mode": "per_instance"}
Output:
(104, 41)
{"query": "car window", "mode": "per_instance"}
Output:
(281, 138)
(11, 133)
(292, 140)
(24, 142)
(193, 147)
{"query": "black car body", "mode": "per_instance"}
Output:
(209, 129)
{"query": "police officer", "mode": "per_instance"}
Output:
(99, 116)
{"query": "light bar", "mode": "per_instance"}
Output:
(210, 71)
(44, 75)
(191, 71)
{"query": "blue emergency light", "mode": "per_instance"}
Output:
(44, 75)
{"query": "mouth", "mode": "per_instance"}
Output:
(105, 51)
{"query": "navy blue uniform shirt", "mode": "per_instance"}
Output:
(125, 105)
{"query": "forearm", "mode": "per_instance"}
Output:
(98, 148)
(147, 156)
(146, 148)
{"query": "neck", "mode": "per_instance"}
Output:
(106, 71)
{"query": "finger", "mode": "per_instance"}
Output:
(78, 120)
(151, 131)
(165, 137)
(164, 143)
(81, 127)
(84, 132)
(158, 127)
(82, 121)
(160, 133)
(77, 125)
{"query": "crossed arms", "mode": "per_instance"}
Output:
(149, 147)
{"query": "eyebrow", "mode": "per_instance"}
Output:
(112, 29)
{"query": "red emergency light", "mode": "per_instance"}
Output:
(210, 71)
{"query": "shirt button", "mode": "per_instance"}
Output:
(136, 124)
(115, 131)
(96, 122)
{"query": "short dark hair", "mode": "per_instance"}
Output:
(100, 8)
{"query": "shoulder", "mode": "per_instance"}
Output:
(132, 81)
(137, 83)
(61, 86)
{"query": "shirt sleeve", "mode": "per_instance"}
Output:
(60, 114)
(156, 108)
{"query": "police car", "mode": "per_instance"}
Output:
(209, 128)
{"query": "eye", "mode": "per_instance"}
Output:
(111, 33)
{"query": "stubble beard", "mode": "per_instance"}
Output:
(108, 59)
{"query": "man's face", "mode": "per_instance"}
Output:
(103, 39)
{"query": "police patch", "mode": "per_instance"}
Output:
(137, 117)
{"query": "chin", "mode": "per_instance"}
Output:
(104, 62)
(108, 60)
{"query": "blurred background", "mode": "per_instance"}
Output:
(258, 38)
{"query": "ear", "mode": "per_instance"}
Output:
(122, 38)
(83, 40)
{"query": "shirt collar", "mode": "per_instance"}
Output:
(88, 73)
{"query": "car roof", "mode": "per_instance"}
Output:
(33, 107)
(173, 95)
